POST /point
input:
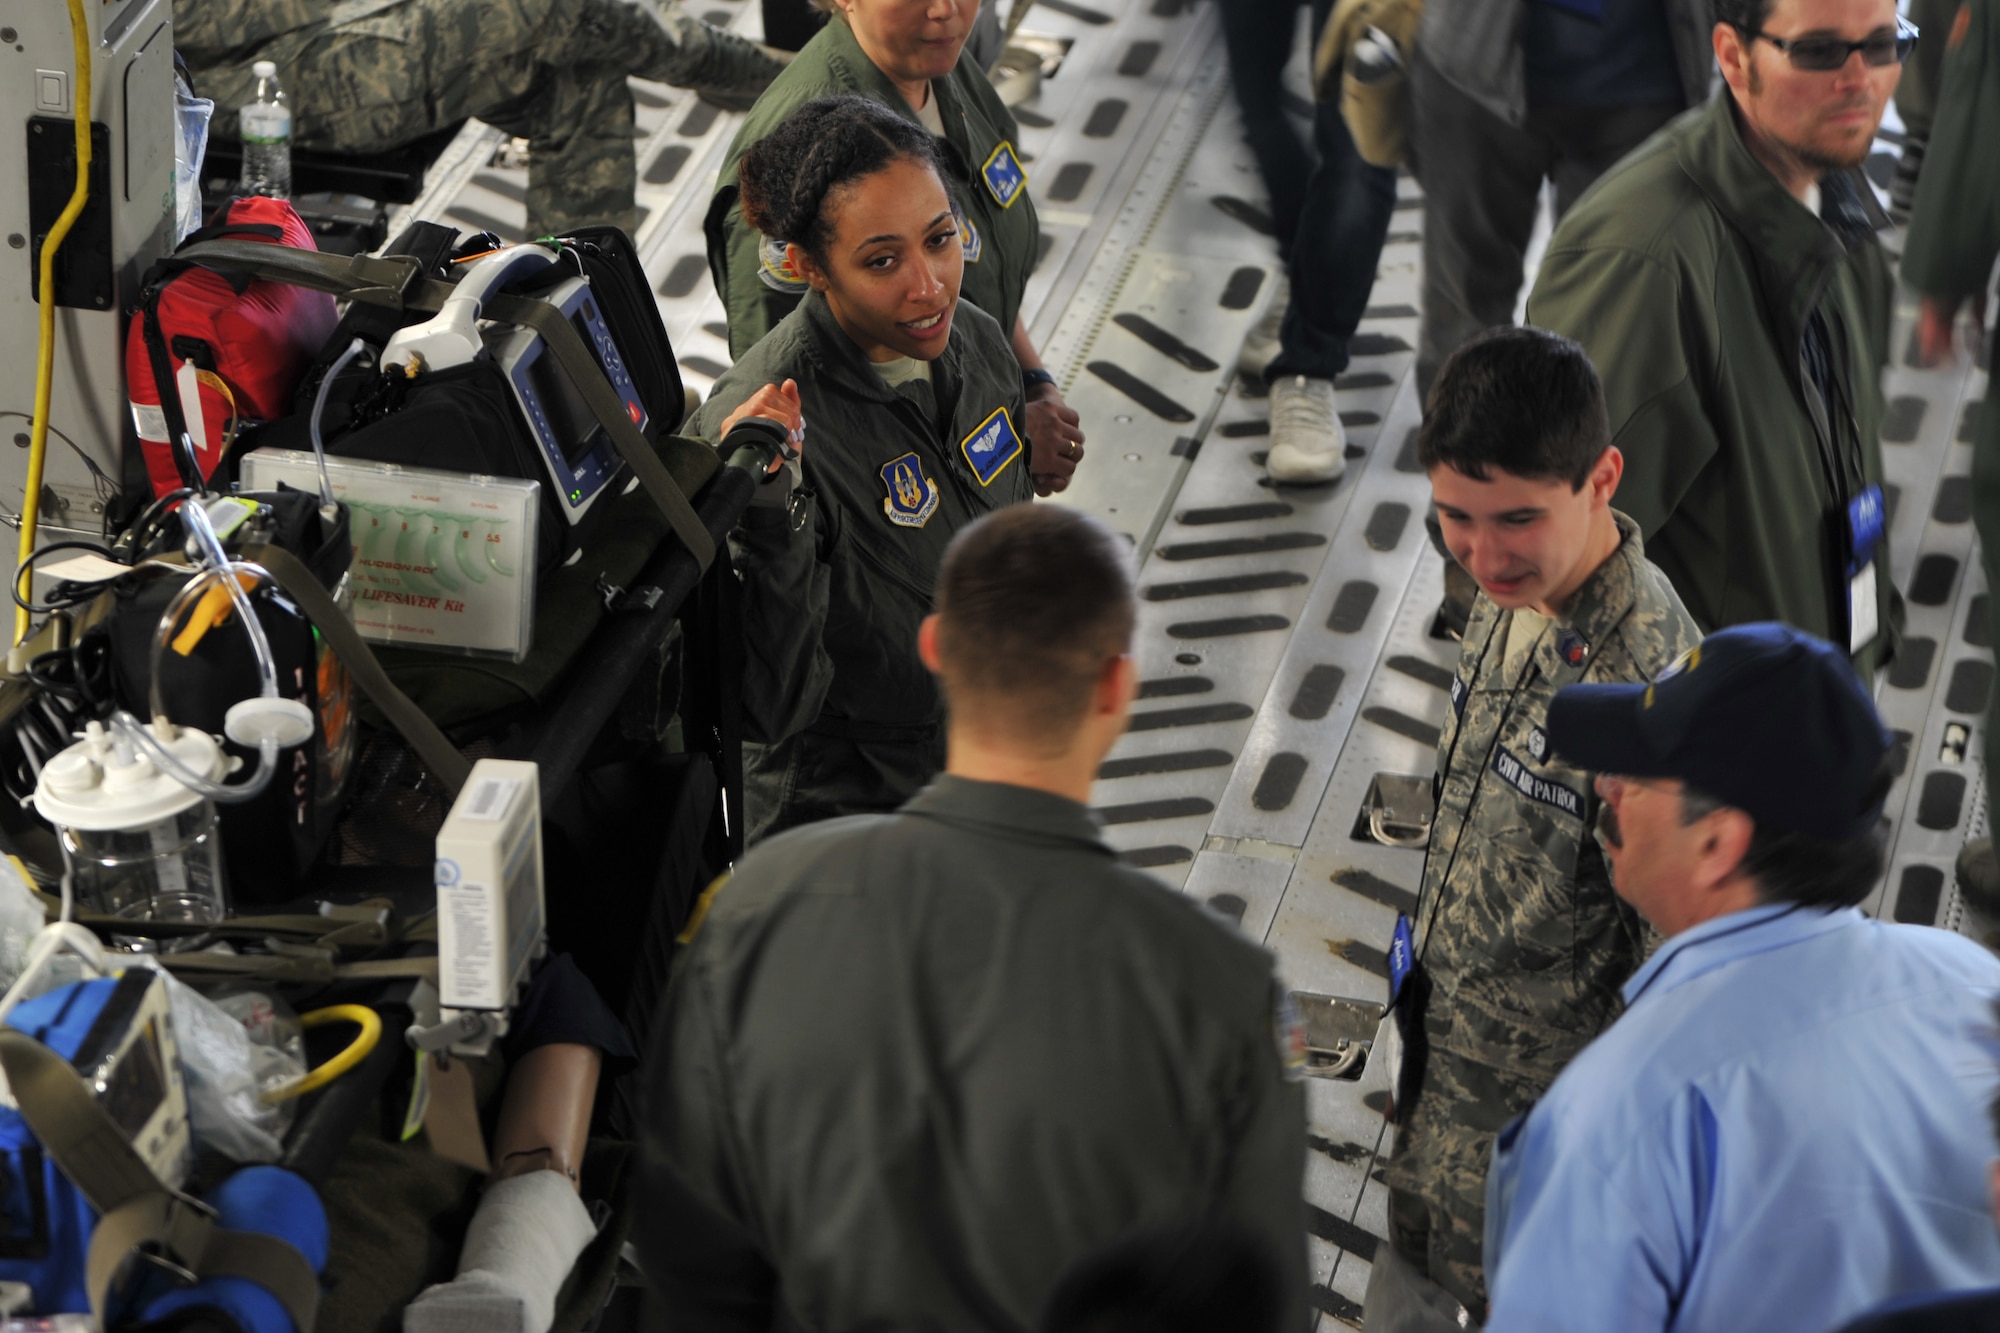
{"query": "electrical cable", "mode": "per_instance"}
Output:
(45, 363)
(23, 577)
(354, 349)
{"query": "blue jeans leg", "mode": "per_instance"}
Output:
(1333, 257)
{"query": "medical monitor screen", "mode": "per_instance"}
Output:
(576, 427)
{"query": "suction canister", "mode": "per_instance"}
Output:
(140, 844)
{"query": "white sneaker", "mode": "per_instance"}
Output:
(1307, 443)
(1260, 348)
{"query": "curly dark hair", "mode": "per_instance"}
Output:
(830, 142)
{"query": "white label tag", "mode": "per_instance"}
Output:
(1863, 615)
(489, 799)
(188, 384)
(85, 568)
(149, 422)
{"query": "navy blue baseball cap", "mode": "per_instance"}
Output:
(1762, 717)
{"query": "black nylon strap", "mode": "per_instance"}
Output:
(587, 377)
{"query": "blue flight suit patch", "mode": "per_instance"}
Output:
(774, 268)
(991, 446)
(913, 497)
(1005, 179)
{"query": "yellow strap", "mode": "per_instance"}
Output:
(213, 609)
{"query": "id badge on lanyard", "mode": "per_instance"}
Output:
(1390, 1045)
(1866, 521)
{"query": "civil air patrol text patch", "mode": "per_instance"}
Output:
(1458, 693)
(992, 446)
(1003, 175)
(913, 497)
(1533, 786)
(774, 268)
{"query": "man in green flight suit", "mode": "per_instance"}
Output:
(373, 75)
(910, 1067)
(1954, 238)
(1726, 280)
(1520, 943)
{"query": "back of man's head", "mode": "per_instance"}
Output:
(1520, 399)
(1032, 602)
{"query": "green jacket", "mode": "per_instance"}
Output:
(1002, 240)
(1523, 943)
(911, 1067)
(1955, 228)
(1690, 275)
(842, 715)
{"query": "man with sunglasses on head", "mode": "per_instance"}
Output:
(1727, 283)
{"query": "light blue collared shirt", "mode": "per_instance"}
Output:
(1787, 1126)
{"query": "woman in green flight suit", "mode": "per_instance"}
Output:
(909, 56)
(912, 410)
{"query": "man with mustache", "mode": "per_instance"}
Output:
(1726, 280)
(1787, 1124)
(1520, 945)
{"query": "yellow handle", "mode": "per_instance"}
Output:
(357, 1050)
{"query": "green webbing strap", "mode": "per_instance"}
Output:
(430, 743)
(73, 1128)
(134, 1208)
(397, 282)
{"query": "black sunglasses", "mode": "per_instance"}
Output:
(1820, 55)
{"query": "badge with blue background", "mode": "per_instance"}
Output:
(991, 446)
(1402, 957)
(1003, 175)
(913, 497)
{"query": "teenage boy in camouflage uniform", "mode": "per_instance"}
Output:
(1521, 944)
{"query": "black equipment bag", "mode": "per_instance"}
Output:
(268, 842)
(407, 284)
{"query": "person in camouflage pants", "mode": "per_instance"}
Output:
(371, 75)
(1520, 943)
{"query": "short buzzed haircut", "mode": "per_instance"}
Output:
(1523, 400)
(1031, 602)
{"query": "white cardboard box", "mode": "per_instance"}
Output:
(489, 886)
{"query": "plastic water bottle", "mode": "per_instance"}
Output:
(266, 125)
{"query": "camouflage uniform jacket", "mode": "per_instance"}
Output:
(1523, 944)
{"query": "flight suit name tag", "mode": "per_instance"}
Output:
(913, 497)
(1005, 179)
(1534, 786)
(1867, 518)
(993, 444)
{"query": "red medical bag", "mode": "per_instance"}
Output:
(235, 346)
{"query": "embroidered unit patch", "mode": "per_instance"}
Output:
(913, 497)
(774, 268)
